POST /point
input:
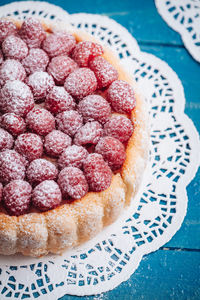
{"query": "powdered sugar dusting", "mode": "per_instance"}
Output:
(14, 47)
(69, 122)
(89, 133)
(11, 69)
(37, 60)
(72, 156)
(55, 142)
(6, 140)
(40, 83)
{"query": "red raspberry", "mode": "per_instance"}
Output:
(1, 57)
(32, 32)
(60, 67)
(112, 150)
(1, 191)
(13, 123)
(6, 28)
(40, 170)
(17, 197)
(12, 166)
(46, 195)
(119, 127)
(121, 96)
(55, 142)
(37, 60)
(6, 140)
(94, 108)
(29, 145)
(89, 133)
(40, 121)
(85, 51)
(72, 156)
(59, 43)
(59, 100)
(14, 47)
(104, 71)
(16, 97)
(69, 121)
(40, 83)
(72, 183)
(11, 69)
(81, 83)
(97, 172)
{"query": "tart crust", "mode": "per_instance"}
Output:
(38, 233)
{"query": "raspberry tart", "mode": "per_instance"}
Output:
(73, 137)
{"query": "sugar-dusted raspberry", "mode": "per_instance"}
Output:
(69, 121)
(72, 156)
(119, 127)
(12, 166)
(72, 183)
(16, 97)
(32, 32)
(94, 108)
(1, 191)
(55, 142)
(40, 121)
(88, 134)
(112, 150)
(104, 71)
(46, 195)
(11, 69)
(60, 67)
(40, 170)
(37, 60)
(29, 145)
(17, 197)
(13, 123)
(121, 96)
(80, 83)
(59, 43)
(6, 28)
(14, 47)
(85, 51)
(40, 83)
(58, 100)
(1, 57)
(6, 140)
(97, 172)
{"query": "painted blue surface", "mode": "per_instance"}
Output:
(173, 273)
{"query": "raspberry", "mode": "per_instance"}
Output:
(112, 150)
(72, 183)
(85, 51)
(81, 83)
(13, 123)
(40, 83)
(1, 57)
(6, 140)
(121, 96)
(16, 97)
(119, 127)
(32, 32)
(59, 43)
(29, 145)
(94, 108)
(37, 60)
(6, 28)
(55, 142)
(17, 197)
(59, 100)
(40, 121)
(60, 67)
(1, 191)
(11, 69)
(104, 71)
(89, 133)
(14, 47)
(40, 170)
(73, 156)
(97, 172)
(11, 166)
(69, 122)
(46, 195)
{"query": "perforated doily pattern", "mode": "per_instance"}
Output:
(184, 17)
(159, 207)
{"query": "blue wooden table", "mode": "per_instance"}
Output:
(173, 272)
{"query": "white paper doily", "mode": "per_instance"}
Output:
(184, 17)
(161, 204)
